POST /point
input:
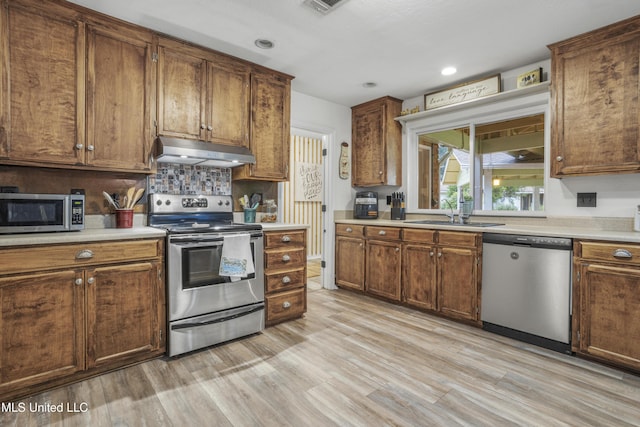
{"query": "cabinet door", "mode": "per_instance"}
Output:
(122, 312)
(229, 103)
(419, 276)
(269, 133)
(119, 99)
(350, 265)
(181, 94)
(383, 274)
(42, 87)
(368, 158)
(610, 313)
(458, 283)
(41, 328)
(596, 94)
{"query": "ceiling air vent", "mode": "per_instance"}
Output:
(324, 6)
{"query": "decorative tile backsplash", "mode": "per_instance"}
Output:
(190, 179)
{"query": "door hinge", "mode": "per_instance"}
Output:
(323, 264)
(160, 335)
(578, 335)
(154, 57)
(324, 152)
(324, 208)
(578, 277)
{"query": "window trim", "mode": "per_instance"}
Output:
(501, 109)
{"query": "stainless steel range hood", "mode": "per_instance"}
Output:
(188, 152)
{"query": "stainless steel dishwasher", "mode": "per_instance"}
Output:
(526, 288)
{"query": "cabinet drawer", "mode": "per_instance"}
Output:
(382, 233)
(457, 238)
(285, 280)
(48, 257)
(279, 239)
(285, 305)
(600, 251)
(284, 258)
(349, 230)
(418, 235)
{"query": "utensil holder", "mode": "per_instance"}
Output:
(249, 215)
(398, 213)
(124, 218)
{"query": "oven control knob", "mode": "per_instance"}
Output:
(227, 203)
(159, 203)
(219, 202)
(167, 202)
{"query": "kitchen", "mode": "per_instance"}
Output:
(616, 198)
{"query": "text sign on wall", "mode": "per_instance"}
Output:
(465, 92)
(308, 182)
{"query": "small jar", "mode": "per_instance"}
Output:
(270, 211)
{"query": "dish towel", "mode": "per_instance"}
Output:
(236, 260)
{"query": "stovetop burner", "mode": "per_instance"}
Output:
(182, 214)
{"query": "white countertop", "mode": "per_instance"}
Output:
(87, 235)
(530, 230)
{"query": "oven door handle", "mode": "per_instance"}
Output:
(203, 239)
(222, 319)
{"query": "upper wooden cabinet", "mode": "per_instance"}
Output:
(270, 122)
(376, 156)
(202, 95)
(77, 92)
(595, 104)
(120, 98)
(42, 69)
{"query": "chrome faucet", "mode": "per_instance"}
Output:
(452, 215)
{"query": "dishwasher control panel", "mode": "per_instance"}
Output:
(533, 241)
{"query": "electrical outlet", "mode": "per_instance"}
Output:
(587, 200)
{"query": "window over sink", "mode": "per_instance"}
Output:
(494, 155)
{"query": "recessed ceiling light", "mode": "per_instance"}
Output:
(447, 71)
(264, 43)
(369, 84)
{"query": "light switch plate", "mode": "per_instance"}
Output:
(587, 200)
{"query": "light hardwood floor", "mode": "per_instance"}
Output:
(353, 361)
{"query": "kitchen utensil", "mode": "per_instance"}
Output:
(110, 200)
(129, 197)
(136, 197)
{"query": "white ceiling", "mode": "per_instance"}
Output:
(401, 45)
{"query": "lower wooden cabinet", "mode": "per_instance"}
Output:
(434, 270)
(607, 299)
(350, 256)
(285, 269)
(79, 315)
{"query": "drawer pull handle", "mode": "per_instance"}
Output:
(286, 238)
(382, 232)
(78, 281)
(286, 258)
(286, 279)
(84, 254)
(348, 229)
(286, 304)
(622, 253)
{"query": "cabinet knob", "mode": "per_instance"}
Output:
(380, 173)
(559, 158)
(397, 249)
(382, 232)
(91, 280)
(286, 304)
(286, 279)
(439, 254)
(348, 229)
(90, 147)
(203, 126)
(79, 146)
(361, 245)
(286, 258)
(84, 254)
(431, 253)
(78, 281)
(286, 238)
(209, 127)
(622, 253)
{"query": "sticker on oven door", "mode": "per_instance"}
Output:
(233, 267)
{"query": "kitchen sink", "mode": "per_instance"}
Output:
(445, 222)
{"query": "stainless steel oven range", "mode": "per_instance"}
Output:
(205, 306)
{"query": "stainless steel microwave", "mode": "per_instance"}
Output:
(38, 213)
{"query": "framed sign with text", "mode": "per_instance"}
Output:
(464, 92)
